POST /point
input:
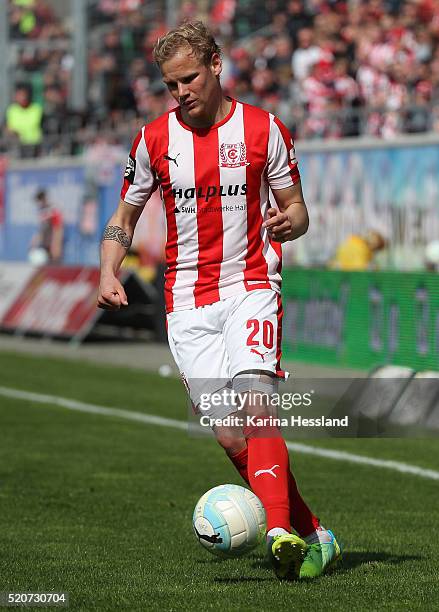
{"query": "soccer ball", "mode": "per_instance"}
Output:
(229, 521)
(38, 257)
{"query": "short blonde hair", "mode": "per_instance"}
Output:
(190, 34)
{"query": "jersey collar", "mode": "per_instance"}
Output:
(215, 126)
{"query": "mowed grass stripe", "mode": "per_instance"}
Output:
(151, 419)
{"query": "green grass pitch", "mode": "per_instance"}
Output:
(101, 507)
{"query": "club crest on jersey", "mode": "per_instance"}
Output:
(233, 155)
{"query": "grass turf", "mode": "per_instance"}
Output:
(101, 507)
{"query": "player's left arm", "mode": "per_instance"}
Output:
(290, 220)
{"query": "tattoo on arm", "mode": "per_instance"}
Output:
(113, 232)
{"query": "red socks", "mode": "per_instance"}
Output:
(300, 516)
(267, 470)
(302, 519)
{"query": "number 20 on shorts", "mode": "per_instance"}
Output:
(255, 334)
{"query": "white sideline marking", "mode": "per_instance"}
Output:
(152, 419)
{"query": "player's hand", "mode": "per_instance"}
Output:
(278, 225)
(111, 294)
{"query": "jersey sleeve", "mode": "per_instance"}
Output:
(139, 181)
(282, 168)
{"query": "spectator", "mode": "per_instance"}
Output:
(318, 96)
(50, 235)
(24, 119)
(281, 54)
(306, 55)
(346, 88)
(297, 19)
(357, 252)
(419, 117)
(375, 62)
(55, 110)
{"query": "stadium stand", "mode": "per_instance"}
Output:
(328, 68)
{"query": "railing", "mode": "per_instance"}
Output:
(71, 134)
(364, 121)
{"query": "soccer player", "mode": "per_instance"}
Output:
(50, 235)
(214, 160)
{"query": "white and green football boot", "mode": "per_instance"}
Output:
(286, 553)
(320, 558)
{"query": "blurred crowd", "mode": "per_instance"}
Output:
(340, 68)
(328, 68)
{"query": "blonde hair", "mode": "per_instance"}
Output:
(190, 34)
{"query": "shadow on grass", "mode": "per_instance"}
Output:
(255, 560)
(261, 563)
(351, 560)
(354, 559)
(239, 580)
(212, 559)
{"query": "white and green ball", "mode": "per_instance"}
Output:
(229, 520)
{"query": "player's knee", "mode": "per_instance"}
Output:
(256, 388)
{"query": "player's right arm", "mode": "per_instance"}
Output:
(116, 241)
(138, 185)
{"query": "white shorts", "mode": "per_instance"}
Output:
(212, 344)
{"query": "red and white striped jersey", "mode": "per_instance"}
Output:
(214, 184)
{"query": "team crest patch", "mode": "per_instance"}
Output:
(293, 159)
(130, 170)
(233, 155)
